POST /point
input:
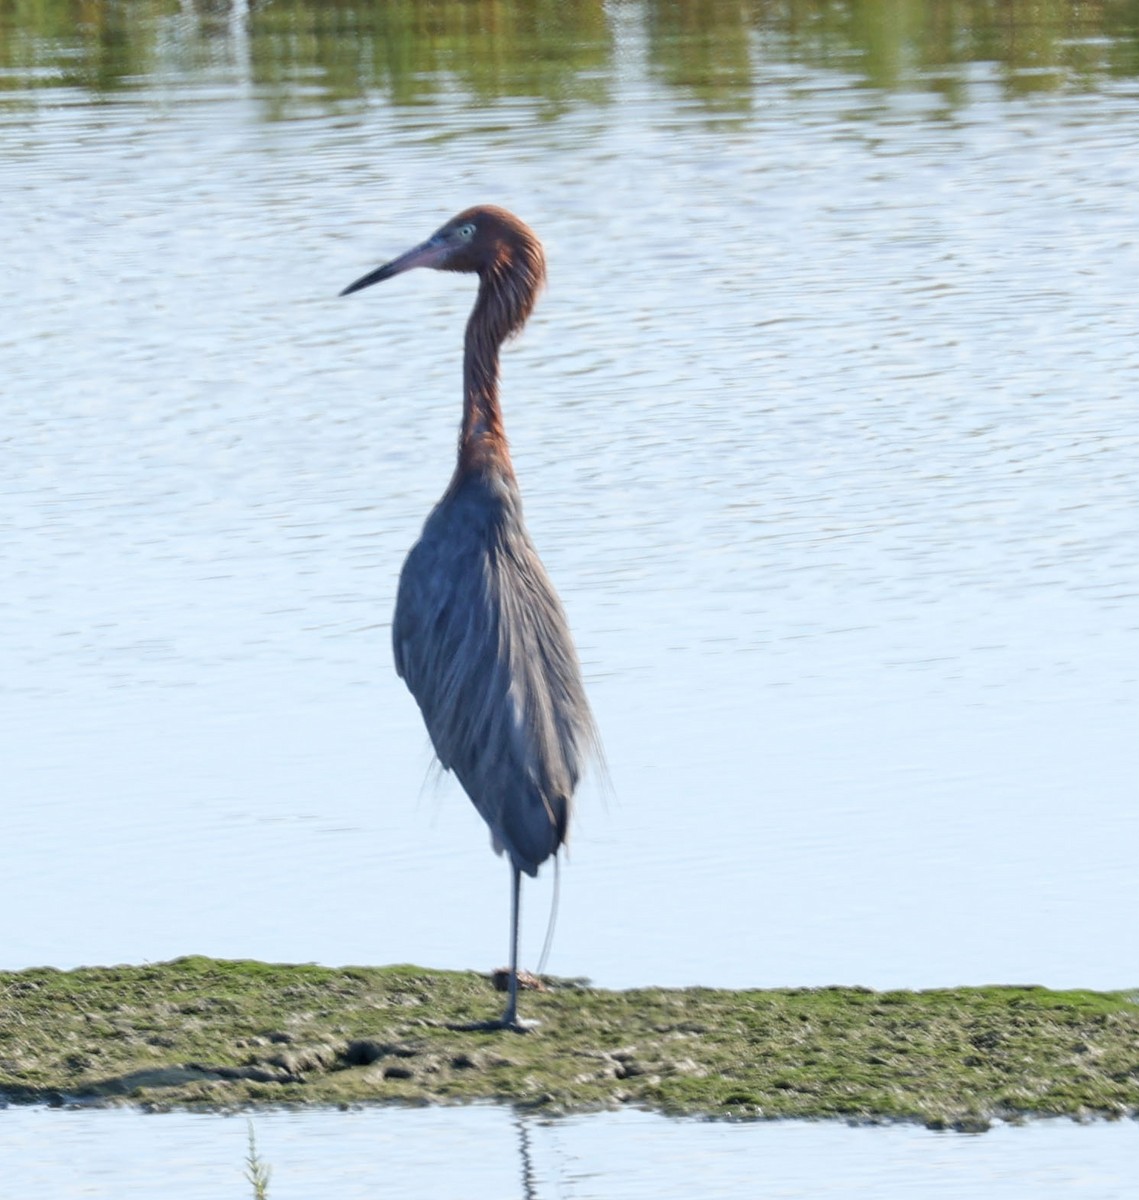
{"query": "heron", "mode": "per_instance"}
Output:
(479, 634)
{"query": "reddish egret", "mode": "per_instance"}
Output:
(479, 634)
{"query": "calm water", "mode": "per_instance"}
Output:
(488, 1154)
(827, 429)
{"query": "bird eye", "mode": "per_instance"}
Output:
(466, 232)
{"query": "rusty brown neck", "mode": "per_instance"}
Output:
(482, 438)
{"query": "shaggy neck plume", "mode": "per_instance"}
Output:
(508, 288)
(482, 438)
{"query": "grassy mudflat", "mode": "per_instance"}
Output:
(202, 1032)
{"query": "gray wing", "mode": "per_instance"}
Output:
(482, 642)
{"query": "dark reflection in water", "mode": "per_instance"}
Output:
(329, 55)
(529, 1185)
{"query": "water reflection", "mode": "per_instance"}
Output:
(424, 1154)
(529, 1184)
(560, 51)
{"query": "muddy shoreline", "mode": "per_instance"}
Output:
(209, 1034)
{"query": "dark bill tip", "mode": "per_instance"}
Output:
(376, 276)
(429, 254)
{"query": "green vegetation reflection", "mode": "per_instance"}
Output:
(301, 53)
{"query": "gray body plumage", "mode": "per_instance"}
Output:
(482, 642)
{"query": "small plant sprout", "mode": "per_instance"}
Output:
(257, 1171)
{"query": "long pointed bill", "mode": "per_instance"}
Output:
(428, 254)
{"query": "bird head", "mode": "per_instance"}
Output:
(485, 240)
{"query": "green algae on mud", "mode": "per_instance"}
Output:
(199, 1032)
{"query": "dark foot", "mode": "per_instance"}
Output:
(515, 1025)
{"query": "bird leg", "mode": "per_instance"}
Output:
(510, 1018)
